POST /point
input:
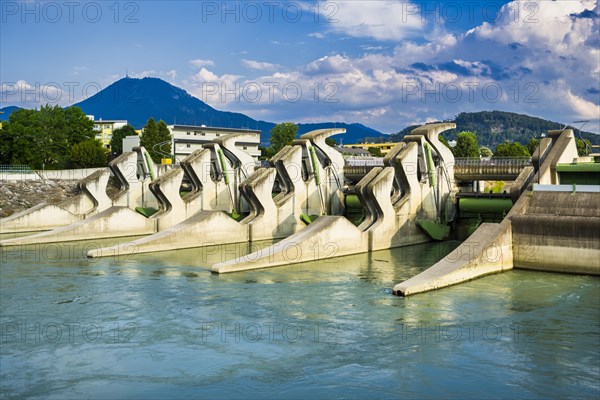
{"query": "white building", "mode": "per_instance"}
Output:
(189, 138)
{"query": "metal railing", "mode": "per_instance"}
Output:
(510, 161)
(16, 169)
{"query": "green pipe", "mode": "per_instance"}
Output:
(149, 164)
(468, 206)
(223, 165)
(430, 165)
(313, 156)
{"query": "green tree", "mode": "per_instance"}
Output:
(375, 151)
(282, 135)
(331, 142)
(87, 154)
(444, 141)
(582, 149)
(43, 138)
(533, 145)
(514, 149)
(5, 143)
(116, 142)
(164, 136)
(466, 145)
(485, 152)
(153, 134)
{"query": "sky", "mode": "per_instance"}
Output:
(386, 64)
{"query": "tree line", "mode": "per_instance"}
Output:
(57, 138)
(467, 145)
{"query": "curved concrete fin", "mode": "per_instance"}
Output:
(166, 190)
(408, 159)
(258, 192)
(239, 158)
(289, 169)
(285, 182)
(205, 228)
(327, 237)
(363, 195)
(197, 167)
(94, 187)
(332, 176)
(384, 227)
(204, 166)
(124, 168)
(113, 222)
(431, 133)
(334, 157)
(172, 209)
(390, 160)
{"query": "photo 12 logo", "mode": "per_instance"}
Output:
(269, 11)
(52, 12)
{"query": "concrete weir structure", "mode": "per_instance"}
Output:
(395, 198)
(555, 230)
(214, 173)
(310, 175)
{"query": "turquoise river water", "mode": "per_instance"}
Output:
(162, 326)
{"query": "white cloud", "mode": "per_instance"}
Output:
(259, 65)
(198, 63)
(382, 20)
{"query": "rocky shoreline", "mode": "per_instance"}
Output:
(16, 196)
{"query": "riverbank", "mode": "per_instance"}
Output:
(19, 195)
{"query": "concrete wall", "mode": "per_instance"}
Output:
(559, 232)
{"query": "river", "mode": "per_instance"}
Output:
(162, 326)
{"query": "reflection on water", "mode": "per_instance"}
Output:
(161, 325)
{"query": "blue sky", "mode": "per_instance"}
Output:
(386, 64)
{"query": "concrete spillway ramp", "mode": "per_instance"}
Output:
(487, 251)
(393, 198)
(91, 199)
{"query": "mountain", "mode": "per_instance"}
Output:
(495, 127)
(136, 100)
(6, 111)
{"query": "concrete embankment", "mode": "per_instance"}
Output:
(559, 232)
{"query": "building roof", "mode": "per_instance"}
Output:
(353, 151)
(211, 128)
(110, 121)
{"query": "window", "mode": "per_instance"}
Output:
(188, 146)
(106, 126)
(218, 134)
(189, 133)
(245, 147)
(203, 133)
